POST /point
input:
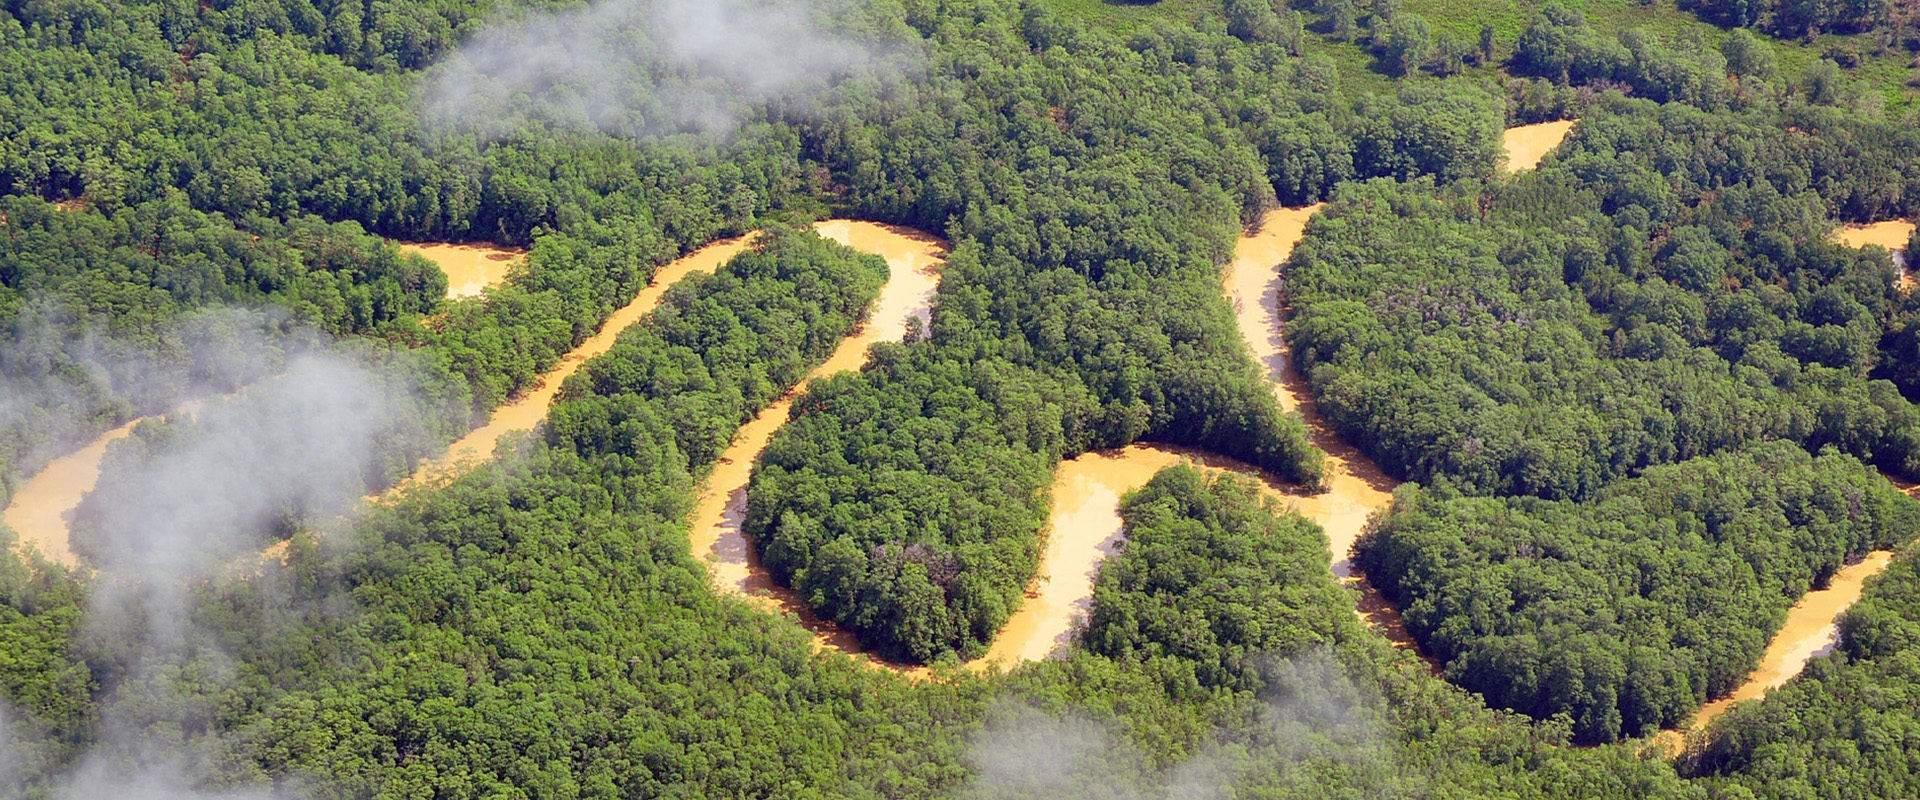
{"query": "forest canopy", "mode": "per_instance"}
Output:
(1645, 356)
(1629, 611)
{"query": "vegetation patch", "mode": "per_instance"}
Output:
(1629, 611)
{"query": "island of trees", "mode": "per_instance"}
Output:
(1642, 400)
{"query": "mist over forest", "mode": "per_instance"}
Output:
(1565, 452)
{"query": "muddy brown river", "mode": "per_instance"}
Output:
(470, 268)
(913, 261)
(1812, 626)
(1085, 524)
(39, 508)
(527, 410)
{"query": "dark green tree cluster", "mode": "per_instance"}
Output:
(46, 690)
(1220, 658)
(1209, 582)
(1844, 728)
(906, 502)
(1664, 290)
(1080, 308)
(1810, 18)
(1627, 612)
(1403, 43)
(207, 138)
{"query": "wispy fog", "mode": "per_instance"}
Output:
(1311, 718)
(648, 67)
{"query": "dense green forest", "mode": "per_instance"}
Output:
(1080, 307)
(1622, 307)
(1840, 729)
(1628, 611)
(1643, 356)
(1602, 343)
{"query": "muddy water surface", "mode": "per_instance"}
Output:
(38, 510)
(470, 268)
(1083, 528)
(1891, 234)
(1085, 525)
(1357, 487)
(1527, 144)
(1811, 630)
(913, 260)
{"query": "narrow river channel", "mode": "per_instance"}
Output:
(39, 508)
(1085, 525)
(527, 410)
(913, 261)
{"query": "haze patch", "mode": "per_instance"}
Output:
(1311, 719)
(302, 437)
(656, 67)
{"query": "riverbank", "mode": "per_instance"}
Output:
(527, 410)
(1356, 487)
(39, 508)
(913, 260)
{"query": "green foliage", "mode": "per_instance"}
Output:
(906, 503)
(106, 320)
(537, 628)
(1063, 320)
(718, 349)
(45, 690)
(1629, 611)
(563, 585)
(1748, 56)
(1611, 311)
(1208, 582)
(1846, 726)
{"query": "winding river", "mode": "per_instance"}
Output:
(1085, 525)
(1812, 626)
(913, 262)
(1527, 144)
(527, 410)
